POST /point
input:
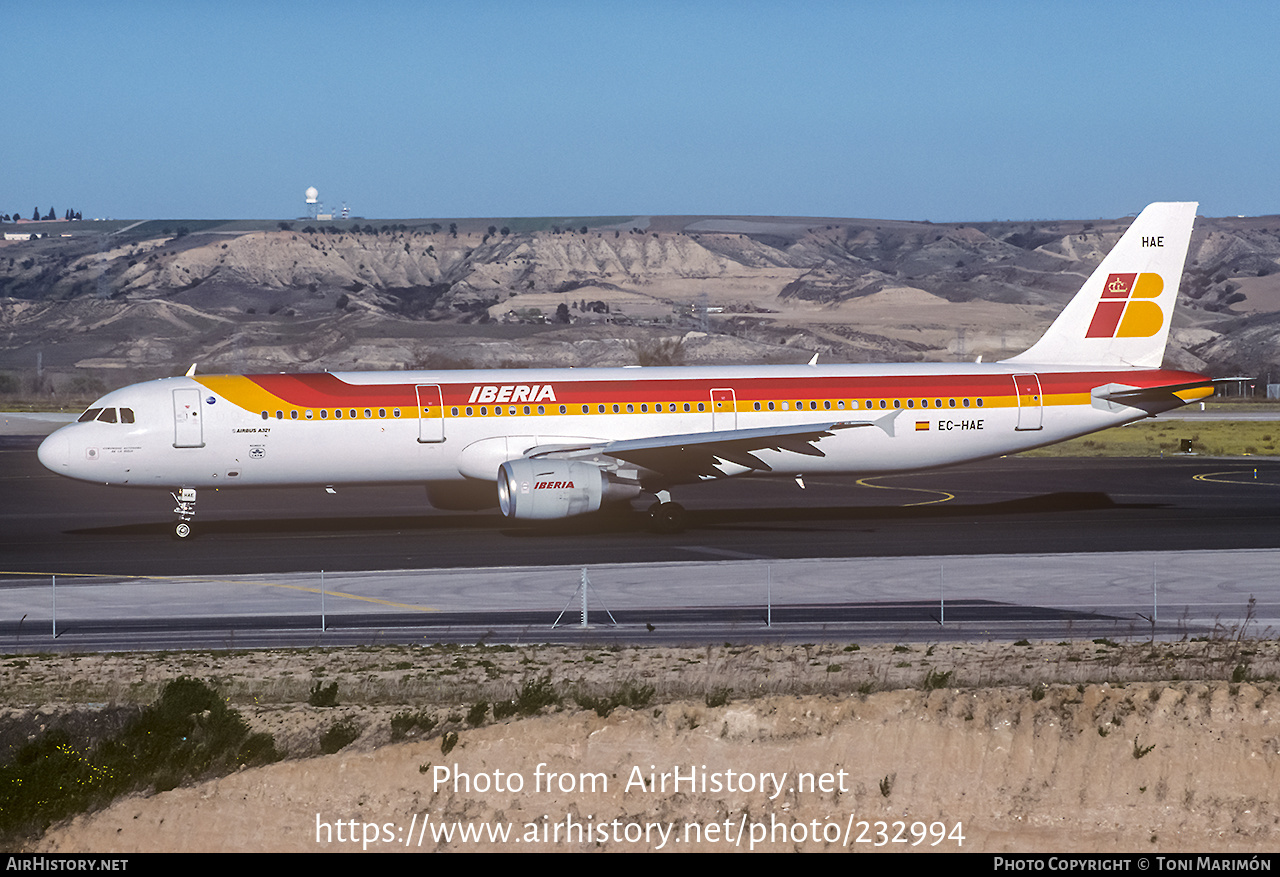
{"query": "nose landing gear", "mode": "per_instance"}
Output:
(186, 510)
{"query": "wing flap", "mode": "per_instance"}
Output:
(703, 454)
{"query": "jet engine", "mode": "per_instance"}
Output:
(540, 490)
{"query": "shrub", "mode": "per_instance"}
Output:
(340, 734)
(324, 695)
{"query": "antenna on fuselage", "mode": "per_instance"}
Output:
(191, 372)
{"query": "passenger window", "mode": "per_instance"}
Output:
(470, 410)
(615, 409)
(337, 413)
(484, 410)
(279, 415)
(352, 412)
(526, 409)
(644, 409)
(395, 412)
(293, 415)
(897, 404)
(631, 409)
(368, 414)
(453, 412)
(90, 415)
(911, 403)
(542, 409)
(686, 406)
(952, 402)
(586, 409)
(497, 410)
(324, 413)
(309, 414)
(702, 406)
(786, 406)
(771, 406)
(966, 403)
(827, 405)
(563, 410)
(265, 415)
(979, 403)
(382, 412)
(757, 406)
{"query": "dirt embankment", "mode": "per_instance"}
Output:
(1053, 753)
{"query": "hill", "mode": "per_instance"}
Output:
(107, 303)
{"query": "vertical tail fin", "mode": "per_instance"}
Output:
(1120, 317)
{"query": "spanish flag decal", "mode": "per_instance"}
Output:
(922, 426)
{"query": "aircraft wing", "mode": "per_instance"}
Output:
(700, 455)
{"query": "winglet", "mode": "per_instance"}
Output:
(191, 372)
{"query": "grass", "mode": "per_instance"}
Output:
(1210, 438)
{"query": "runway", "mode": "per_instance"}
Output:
(1009, 548)
(1005, 506)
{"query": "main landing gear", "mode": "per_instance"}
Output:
(186, 510)
(666, 517)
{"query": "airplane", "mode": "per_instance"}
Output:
(544, 444)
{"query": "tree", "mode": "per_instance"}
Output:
(453, 229)
(35, 215)
(562, 313)
(493, 229)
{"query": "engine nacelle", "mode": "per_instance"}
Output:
(540, 490)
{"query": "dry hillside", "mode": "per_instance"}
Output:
(98, 309)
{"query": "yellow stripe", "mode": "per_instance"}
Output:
(946, 497)
(239, 390)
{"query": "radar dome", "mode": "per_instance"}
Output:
(312, 194)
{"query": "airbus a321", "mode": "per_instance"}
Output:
(552, 443)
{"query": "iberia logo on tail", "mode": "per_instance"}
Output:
(1123, 312)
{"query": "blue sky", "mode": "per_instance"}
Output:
(947, 111)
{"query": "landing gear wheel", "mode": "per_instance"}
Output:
(185, 497)
(666, 518)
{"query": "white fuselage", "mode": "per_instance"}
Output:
(454, 426)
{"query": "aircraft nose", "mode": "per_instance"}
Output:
(55, 452)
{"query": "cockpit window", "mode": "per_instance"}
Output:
(126, 415)
(108, 415)
(91, 414)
